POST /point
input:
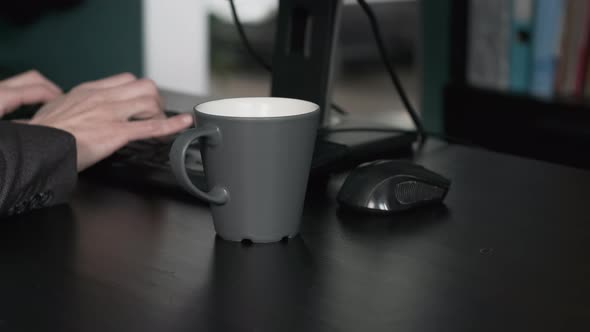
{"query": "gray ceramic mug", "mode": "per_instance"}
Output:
(257, 156)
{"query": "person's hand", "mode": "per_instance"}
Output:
(105, 115)
(27, 88)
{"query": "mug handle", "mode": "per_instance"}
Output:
(216, 195)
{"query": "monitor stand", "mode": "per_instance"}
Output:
(303, 64)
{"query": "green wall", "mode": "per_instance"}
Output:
(93, 40)
(435, 67)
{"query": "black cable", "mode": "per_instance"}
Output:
(245, 40)
(396, 81)
(257, 56)
(339, 109)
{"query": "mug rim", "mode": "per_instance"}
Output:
(313, 108)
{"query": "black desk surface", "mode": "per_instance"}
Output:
(510, 252)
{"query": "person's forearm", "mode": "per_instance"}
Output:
(37, 167)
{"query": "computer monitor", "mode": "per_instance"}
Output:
(305, 43)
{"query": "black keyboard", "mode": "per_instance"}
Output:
(147, 162)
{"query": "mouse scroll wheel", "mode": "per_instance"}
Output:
(411, 192)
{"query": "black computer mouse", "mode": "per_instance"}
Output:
(392, 186)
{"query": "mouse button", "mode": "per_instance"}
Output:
(380, 198)
(378, 162)
(412, 192)
(402, 163)
(405, 168)
(369, 164)
(430, 177)
(354, 185)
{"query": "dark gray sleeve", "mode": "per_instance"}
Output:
(37, 167)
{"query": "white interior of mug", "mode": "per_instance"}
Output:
(257, 107)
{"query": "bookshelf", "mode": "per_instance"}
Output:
(555, 130)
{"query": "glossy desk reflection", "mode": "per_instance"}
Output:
(131, 259)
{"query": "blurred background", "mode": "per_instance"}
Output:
(193, 46)
(508, 75)
(361, 87)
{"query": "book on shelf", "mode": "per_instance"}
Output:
(488, 33)
(535, 47)
(545, 46)
(521, 40)
(583, 47)
(570, 75)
